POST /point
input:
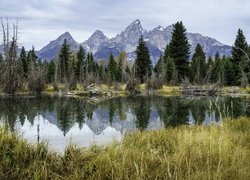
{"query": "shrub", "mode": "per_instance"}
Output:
(133, 86)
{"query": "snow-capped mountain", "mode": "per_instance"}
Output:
(157, 39)
(95, 41)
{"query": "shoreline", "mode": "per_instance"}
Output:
(175, 153)
(104, 93)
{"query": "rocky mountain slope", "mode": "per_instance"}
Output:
(157, 39)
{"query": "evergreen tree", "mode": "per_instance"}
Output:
(112, 67)
(51, 71)
(209, 67)
(166, 53)
(229, 72)
(80, 61)
(215, 69)
(160, 66)
(170, 70)
(64, 61)
(119, 74)
(198, 65)
(175, 78)
(221, 73)
(32, 57)
(90, 66)
(238, 55)
(1, 58)
(179, 49)
(24, 62)
(143, 64)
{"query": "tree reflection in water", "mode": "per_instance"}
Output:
(140, 111)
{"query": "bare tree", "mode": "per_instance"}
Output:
(10, 69)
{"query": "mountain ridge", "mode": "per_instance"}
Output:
(157, 38)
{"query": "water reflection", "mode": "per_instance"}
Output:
(59, 119)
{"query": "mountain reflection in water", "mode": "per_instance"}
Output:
(61, 120)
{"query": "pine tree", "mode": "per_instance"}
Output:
(221, 73)
(51, 71)
(215, 69)
(198, 65)
(238, 55)
(159, 67)
(24, 62)
(179, 49)
(112, 67)
(80, 61)
(121, 59)
(209, 67)
(166, 53)
(64, 61)
(229, 72)
(90, 65)
(170, 70)
(32, 57)
(1, 58)
(143, 64)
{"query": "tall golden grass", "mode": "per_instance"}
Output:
(186, 152)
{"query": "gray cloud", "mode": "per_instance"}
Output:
(42, 20)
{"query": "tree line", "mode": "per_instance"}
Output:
(25, 71)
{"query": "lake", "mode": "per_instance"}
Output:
(84, 123)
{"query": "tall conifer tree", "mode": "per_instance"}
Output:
(179, 49)
(24, 62)
(64, 61)
(198, 65)
(239, 49)
(143, 64)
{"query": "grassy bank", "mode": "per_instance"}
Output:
(111, 90)
(197, 152)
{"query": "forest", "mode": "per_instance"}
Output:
(22, 70)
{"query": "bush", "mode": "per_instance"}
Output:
(36, 81)
(133, 86)
(154, 84)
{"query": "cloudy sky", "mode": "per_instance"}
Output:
(41, 21)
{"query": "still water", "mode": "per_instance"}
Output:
(84, 123)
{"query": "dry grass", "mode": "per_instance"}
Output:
(185, 152)
(169, 90)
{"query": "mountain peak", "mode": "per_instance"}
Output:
(98, 34)
(159, 28)
(127, 41)
(137, 21)
(134, 28)
(95, 40)
(65, 35)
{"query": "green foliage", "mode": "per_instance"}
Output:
(143, 64)
(112, 67)
(24, 62)
(80, 62)
(1, 58)
(239, 58)
(198, 65)
(120, 76)
(51, 72)
(159, 67)
(179, 50)
(32, 57)
(170, 70)
(64, 59)
(229, 72)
